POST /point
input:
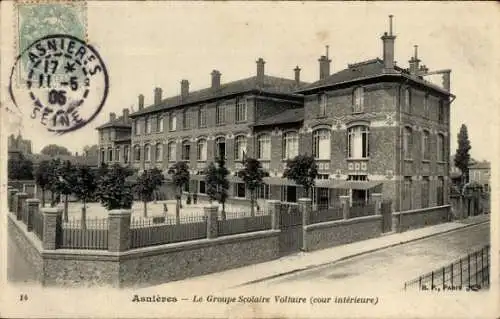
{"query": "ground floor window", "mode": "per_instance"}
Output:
(239, 190)
(407, 193)
(289, 194)
(186, 187)
(201, 187)
(321, 197)
(263, 191)
(440, 191)
(425, 191)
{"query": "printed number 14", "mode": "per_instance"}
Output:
(23, 297)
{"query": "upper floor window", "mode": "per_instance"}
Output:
(159, 123)
(186, 150)
(321, 144)
(201, 150)
(147, 153)
(358, 99)
(407, 142)
(440, 147)
(110, 154)
(117, 154)
(148, 125)
(158, 152)
(137, 127)
(264, 147)
(220, 114)
(426, 106)
(186, 120)
(425, 145)
(202, 116)
(241, 110)
(172, 122)
(441, 111)
(103, 156)
(101, 135)
(358, 142)
(407, 98)
(172, 147)
(137, 153)
(220, 147)
(323, 101)
(290, 145)
(125, 154)
(240, 147)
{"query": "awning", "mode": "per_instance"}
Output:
(362, 185)
(278, 181)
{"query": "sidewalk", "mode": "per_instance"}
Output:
(307, 260)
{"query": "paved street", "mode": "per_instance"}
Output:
(386, 269)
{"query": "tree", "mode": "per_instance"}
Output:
(146, 185)
(42, 178)
(84, 188)
(55, 150)
(180, 177)
(90, 150)
(252, 175)
(113, 190)
(303, 170)
(217, 183)
(20, 168)
(53, 180)
(65, 182)
(462, 157)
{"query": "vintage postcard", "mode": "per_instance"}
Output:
(249, 159)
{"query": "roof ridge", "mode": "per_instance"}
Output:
(356, 64)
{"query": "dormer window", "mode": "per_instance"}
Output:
(358, 100)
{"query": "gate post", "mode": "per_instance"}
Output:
(211, 213)
(305, 207)
(12, 202)
(274, 209)
(377, 198)
(344, 201)
(51, 222)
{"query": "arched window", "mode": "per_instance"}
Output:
(137, 153)
(321, 144)
(103, 155)
(172, 122)
(240, 147)
(358, 99)
(147, 152)
(159, 123)
(117, 153)
(358, 141)
(186, 150)
(158, 152)
(110, 154)
(264, 147)
(172, 147)
(407, 142)
(290, 145)
(425, 145)
(440, 147)
(201, 150)
(125, 154)
(220, 147)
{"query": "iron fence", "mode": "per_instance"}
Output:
(242, 214)
(243, 225)
(162, 220)
(326, 214)
(361, 209)
(92, 234)
(470, 273)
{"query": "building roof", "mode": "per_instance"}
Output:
(288, 116)
(271, 85)
(82, 160)
(119, 122)
(480, 165)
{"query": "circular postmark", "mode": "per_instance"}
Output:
(64, 84)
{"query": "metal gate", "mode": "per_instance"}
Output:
(386, 216)
(290, 239)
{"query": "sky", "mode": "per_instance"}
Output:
(150, 44)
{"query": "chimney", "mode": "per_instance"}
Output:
(446, 80)
(388, 42)
(125, 114)
(112, 116)
(414, 62)
(157, 96)
(297, 75)
(324, 65)
(184, 89)
(215, 79)
(141, 101)
(260, 70)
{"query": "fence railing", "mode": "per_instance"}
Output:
(326, 214)
(242, 214)
(93, 236)
(470, 272)
(161, 220)
(38, 224)
(243, 225)
(361, 209)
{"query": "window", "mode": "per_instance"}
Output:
(137, 127)
(186, 150)
(290, 145)
(440, 191)
(186, 120)
(147, 125)
(201, 187)
(117, 154)
(159, 152)
(239, 190)
(358, 100)
(426, 105)
(220, 147)
(147, 153)
(440, 148)
(103, 156)
(425, 191)
(357, 178)
(407, 98)
(110, 154)
(441, 112)
(172, 147)
(407, 193)
(407, 142)
(137, 153)
(425, 145)
(264, 147)
(263, 191)
(172, 122)
(323, 101)
(321, 144)
(358, 142)
(201, 150)
(159, 123)
(220, 115)
(101, 135)
(241, 110)
(202, 116)
(289, 194)
(240, 147)
(125, 154)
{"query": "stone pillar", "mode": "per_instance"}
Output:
(344, 201)
(396, 227)
(32, 206)
(118, 230)
(52, 219)
(20, 202)
(211, 213)
(377, 199)
(12, 202)
(305, 207)
(274, 209)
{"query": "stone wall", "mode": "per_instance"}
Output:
(340, 232)
(421, 217)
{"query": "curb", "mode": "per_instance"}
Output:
(357, 254)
